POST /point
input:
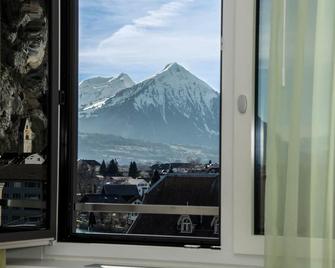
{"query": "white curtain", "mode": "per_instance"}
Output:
(299, 206)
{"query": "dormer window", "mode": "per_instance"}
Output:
(185, 224)
(215, 224)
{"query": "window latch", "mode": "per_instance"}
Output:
(242, 104)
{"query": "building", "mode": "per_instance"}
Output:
(34, 159)
(164, 168)
(93, 166)
(127, 192)
(25, 191)
(111, 222)
(181, 189)
(13, 158)
(27, 184)
(141, 184)
(26, 136)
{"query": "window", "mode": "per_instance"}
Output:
(237, 182)
(69, 137)
(185, 224)
(28, 116)
(34, 196)
(216, 225)
(17, 185)
(144, 95)
(16, 196)
(261, 88)
(32, 185)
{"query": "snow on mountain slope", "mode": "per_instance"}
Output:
(95, 90)
(173, 106)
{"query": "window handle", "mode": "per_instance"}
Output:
(242, 104)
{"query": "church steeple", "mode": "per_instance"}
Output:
(26, 136)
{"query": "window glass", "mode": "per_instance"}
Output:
(24, 113)
(149, 117)
(264, 22)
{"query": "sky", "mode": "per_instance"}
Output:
(264, 53)
(140, 37)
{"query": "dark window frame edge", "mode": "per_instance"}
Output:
(53, 67)
(68, 143)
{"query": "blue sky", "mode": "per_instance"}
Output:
(264, 52)
(139, 37)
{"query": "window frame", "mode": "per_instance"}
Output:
(69, 143)
(43, 237)
(246, 83)
(238, 247)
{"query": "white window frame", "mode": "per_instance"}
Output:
(240, 247)
(245, 241)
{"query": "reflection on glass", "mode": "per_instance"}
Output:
(261, 112)
(149, 114)
(23, 114)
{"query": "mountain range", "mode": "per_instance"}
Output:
(171, 107)
(98, 89)
(105, 147)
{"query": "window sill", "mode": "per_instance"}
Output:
(25, 263)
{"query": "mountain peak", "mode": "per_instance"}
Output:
(173, 66)
(95, 80)
(95, 91)
(123, 76)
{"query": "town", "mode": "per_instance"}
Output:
(161, 183)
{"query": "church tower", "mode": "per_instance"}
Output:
(27, 136)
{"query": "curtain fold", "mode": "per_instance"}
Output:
(299, 205)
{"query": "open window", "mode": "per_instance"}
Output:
(28, 121)
(141, 121)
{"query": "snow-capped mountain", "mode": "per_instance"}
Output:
(173, 107)
(94, 91)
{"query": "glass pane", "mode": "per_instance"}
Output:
(261, 111)
(24, 113)
(149, 115)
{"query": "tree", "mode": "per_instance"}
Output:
(155, 177)
(170, 169)
(113, 168)
(103, 168)
(133, 170)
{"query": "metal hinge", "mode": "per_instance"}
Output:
(198, 246)
(192, 246)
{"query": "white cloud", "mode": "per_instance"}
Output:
(160, 36)
(141, 26)
(158, 17)
(183, 31)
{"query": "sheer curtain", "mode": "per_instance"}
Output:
(2, 258)
(299, 217)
